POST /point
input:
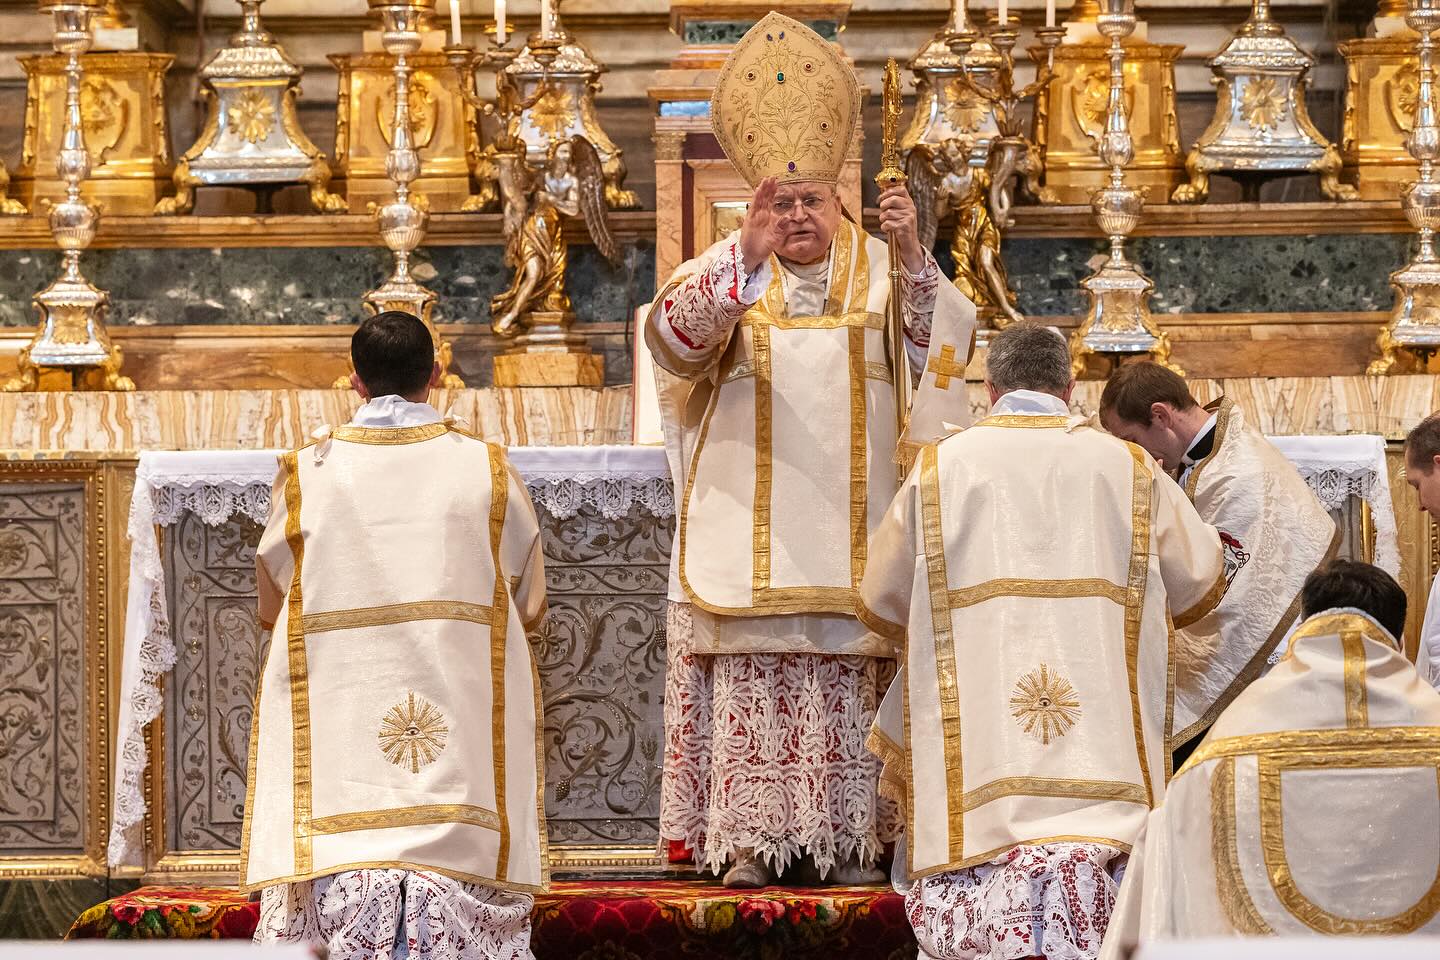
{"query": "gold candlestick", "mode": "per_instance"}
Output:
(402, 221)
(1118, 321)
(1415, 319)
(72, 338)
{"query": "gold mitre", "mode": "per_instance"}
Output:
(786, 104)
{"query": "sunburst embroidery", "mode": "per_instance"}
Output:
(1044, 704)
(413, 733)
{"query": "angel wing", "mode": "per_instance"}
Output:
(924, 183)
(590, 180)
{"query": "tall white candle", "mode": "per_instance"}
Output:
(1049, 13)
(500, 22)
(1004, 11)
(455, 22)
(544, 18)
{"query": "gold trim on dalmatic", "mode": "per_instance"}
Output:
(859, 465)
(419, 816)
(1135, 601)
(1230, 883)
(1040, 589)
(764, 467)
(390, 614)
(947, 681)
(1357, 699)
(390, 435)
(1282, 879)
(299, 668)
(1115, 790)
(499, 503)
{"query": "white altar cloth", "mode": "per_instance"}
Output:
(217, 485)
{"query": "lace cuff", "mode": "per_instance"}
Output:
(920, 291)
(701, 311)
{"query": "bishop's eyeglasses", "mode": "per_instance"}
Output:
(812, 203)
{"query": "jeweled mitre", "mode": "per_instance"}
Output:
(786, 104)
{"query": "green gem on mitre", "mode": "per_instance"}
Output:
(780, 76)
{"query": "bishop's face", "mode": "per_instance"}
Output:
(1426, 481)
(808, 214)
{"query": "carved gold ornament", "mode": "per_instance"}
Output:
(1262, 105)
(253, 116)
(963, 109)
(413, 733)
(1402, 92)
(552, 114)
(104, 115)
(1044, 705)
(423, 112)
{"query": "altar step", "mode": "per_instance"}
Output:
(594, 920)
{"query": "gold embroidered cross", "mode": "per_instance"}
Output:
(944, 367)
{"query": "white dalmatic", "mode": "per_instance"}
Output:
(1276, 532)
(1029, 569)
(1311, 807)
(399, 709)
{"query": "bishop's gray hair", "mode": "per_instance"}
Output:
(1028, 356)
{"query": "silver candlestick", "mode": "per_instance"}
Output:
(403, 220)
(72, 337)
(1118, 321)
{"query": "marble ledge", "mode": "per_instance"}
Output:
(114, 423)
(317, 230)
(48, 426)
(463, 229)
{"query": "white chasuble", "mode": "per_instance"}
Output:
(398, 706)
(786, 435)
(1279, 533)
(1310, 807)
(1029, 568)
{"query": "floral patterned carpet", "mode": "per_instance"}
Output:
(594, 920)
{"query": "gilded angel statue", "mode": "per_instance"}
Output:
(537, 202)
(942, 180)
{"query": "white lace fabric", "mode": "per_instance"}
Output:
(379, 914)
(1338, 468)
(766, 752)
(216, 486)
(1053, 900)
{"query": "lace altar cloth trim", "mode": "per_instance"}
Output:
(218, 485)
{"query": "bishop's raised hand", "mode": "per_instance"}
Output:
(760, 231)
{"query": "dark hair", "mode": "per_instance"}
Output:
(393, 354)
(1422, 445)
(1348, 583)
(1132, 388)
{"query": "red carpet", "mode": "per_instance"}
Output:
(595, 920)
